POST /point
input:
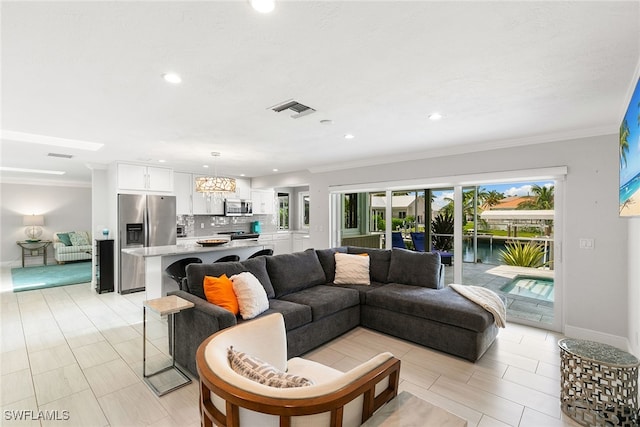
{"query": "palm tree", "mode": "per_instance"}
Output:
(542, 200)
(492, 198)
(624, 143)
(467, 202)
(442, 229)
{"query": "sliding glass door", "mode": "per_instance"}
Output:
(501, 234)
(508, 236)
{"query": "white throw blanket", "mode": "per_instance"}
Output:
(486, 299)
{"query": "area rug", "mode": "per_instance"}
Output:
(48, 276)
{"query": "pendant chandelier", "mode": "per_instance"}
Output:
(215, 185)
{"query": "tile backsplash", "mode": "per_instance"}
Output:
(207, 225)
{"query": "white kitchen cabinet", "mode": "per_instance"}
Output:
(263, 202)
(144, 178)
(300, 242)
(281, 243)
(243, 189)
(190, 202)
(203, 205)
(183, 189)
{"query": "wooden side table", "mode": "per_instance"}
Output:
(168, 305)
(599, 384)
(32, 249)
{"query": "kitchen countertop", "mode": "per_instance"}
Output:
(182, 249)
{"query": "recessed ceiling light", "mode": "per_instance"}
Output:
(349, 136)
(162, 161)
(242, 174)
(48, 172)
(263, 6)
(435, 116)
(205, 166)
(275, 170)
(172, 78)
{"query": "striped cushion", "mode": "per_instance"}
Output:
(262, 372)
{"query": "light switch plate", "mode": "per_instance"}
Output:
(586, 243)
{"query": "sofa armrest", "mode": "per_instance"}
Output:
(224, 318)
(194, 325)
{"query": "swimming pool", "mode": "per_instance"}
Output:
(531, 287)
(488, 253)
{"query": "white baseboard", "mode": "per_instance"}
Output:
(591, 335)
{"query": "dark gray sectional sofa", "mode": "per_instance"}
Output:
(406, 299)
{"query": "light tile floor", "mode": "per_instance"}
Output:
(70, 349)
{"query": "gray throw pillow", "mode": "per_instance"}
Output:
(379, 260)
(414, 268)
(328, 261)
(293, 272)
(258, 267)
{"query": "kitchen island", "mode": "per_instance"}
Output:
(158, 258)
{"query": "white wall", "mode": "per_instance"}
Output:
(634, 284)
(64, 209)
(595, 286)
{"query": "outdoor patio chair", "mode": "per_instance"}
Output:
(418, 241)
(397, 241)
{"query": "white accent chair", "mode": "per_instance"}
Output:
(336, 398)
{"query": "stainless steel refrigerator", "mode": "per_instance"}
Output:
(143, 220)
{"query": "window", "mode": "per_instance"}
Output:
(351, 210)
(304, 210)
(283, 211)
(495, 230)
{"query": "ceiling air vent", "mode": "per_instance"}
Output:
(297, 108)
(62, 156)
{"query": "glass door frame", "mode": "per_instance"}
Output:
(458, 182)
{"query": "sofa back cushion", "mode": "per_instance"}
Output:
(379, 260)
(256, 266)
(197, 272)
(328, 261)
(293, 272)
(415, 268)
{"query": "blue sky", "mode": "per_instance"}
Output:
(633, 155)
(510, 189)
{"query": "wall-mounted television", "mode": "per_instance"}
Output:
(630, 157)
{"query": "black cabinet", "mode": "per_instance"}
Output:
(104, 266)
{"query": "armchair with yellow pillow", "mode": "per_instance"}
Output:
(72, 246)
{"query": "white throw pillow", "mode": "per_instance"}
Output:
(252, 298)
(256, 370)
(352, 269)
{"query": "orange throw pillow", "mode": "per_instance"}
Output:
(219, 291)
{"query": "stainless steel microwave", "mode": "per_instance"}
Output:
(237, 207)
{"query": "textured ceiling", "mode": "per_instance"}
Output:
(501, 73)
